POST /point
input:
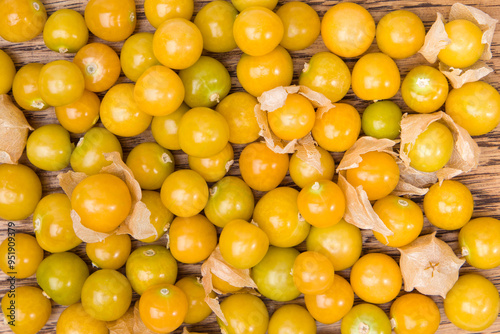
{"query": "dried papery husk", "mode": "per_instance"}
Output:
(459, 77)
(359, 210)
(485, 22)
(14, 130)
(129, 323)
(429, 265)
(136, 224)
(465, 154)
(436, 39)
(275, 98)
(216, 265)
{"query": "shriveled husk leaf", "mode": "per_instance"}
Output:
(436, 39)
(215, 264)
(275, 98)
(129, 323)
(429, 265)
(359, 210)
(465, 154)
(136, 224)
(481, 19)
(14, 130)
(459, 77)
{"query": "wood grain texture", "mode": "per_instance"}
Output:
(483, 181)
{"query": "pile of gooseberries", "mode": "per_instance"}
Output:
(182, 120)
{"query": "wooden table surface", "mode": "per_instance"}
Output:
(484, 181)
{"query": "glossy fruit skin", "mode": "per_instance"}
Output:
(338, 128)
(136, 55)
(261, 168)
(192, 239)
(203, 132)
(61, 276)
(347, 29)
(163, 307)
(151, 164)
(424, 89)
(273, 274)
(400, 34)
(215, 21)
(312, 273)
(120, 113)
(258, 74)
(25, 86)
(87, 157)
(230, 198)
(375, 76)
(158, 11)
(223, 286)
(321, 203)
(7, 67)
(238, 110)
(65, 31)
(294, 120)
(60, 82)
(184, 193)
(80, 116)
(206, 82)
(367, 316)
(110, 253)
(448, 206)
(31, 311)
(53, 225)
(213, 168)
(400, 215)
(257, 30)
(245, 313)
(21, 20)
(301, 25)
(244, 4)
(100, 66)
(159, 91)
(381, 120)
(413, 313)
(106, 295)
(102, 201)
(472, 303)
(242, 244)
(333, 304)
(327, 74)
(377, 173)
(341, 243)
(177, 43)
(165, 129)
(302, 173)
(160, 216)
(112, 21)
(20, 191)
(198, 309)
(432, 149)
(74, 320)
(480, 241)
(20, 255)
(376, 278)
(150, 265)
(466, 44)
(277, 214)
(475, 107)
(292, 318)
(49, 147)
